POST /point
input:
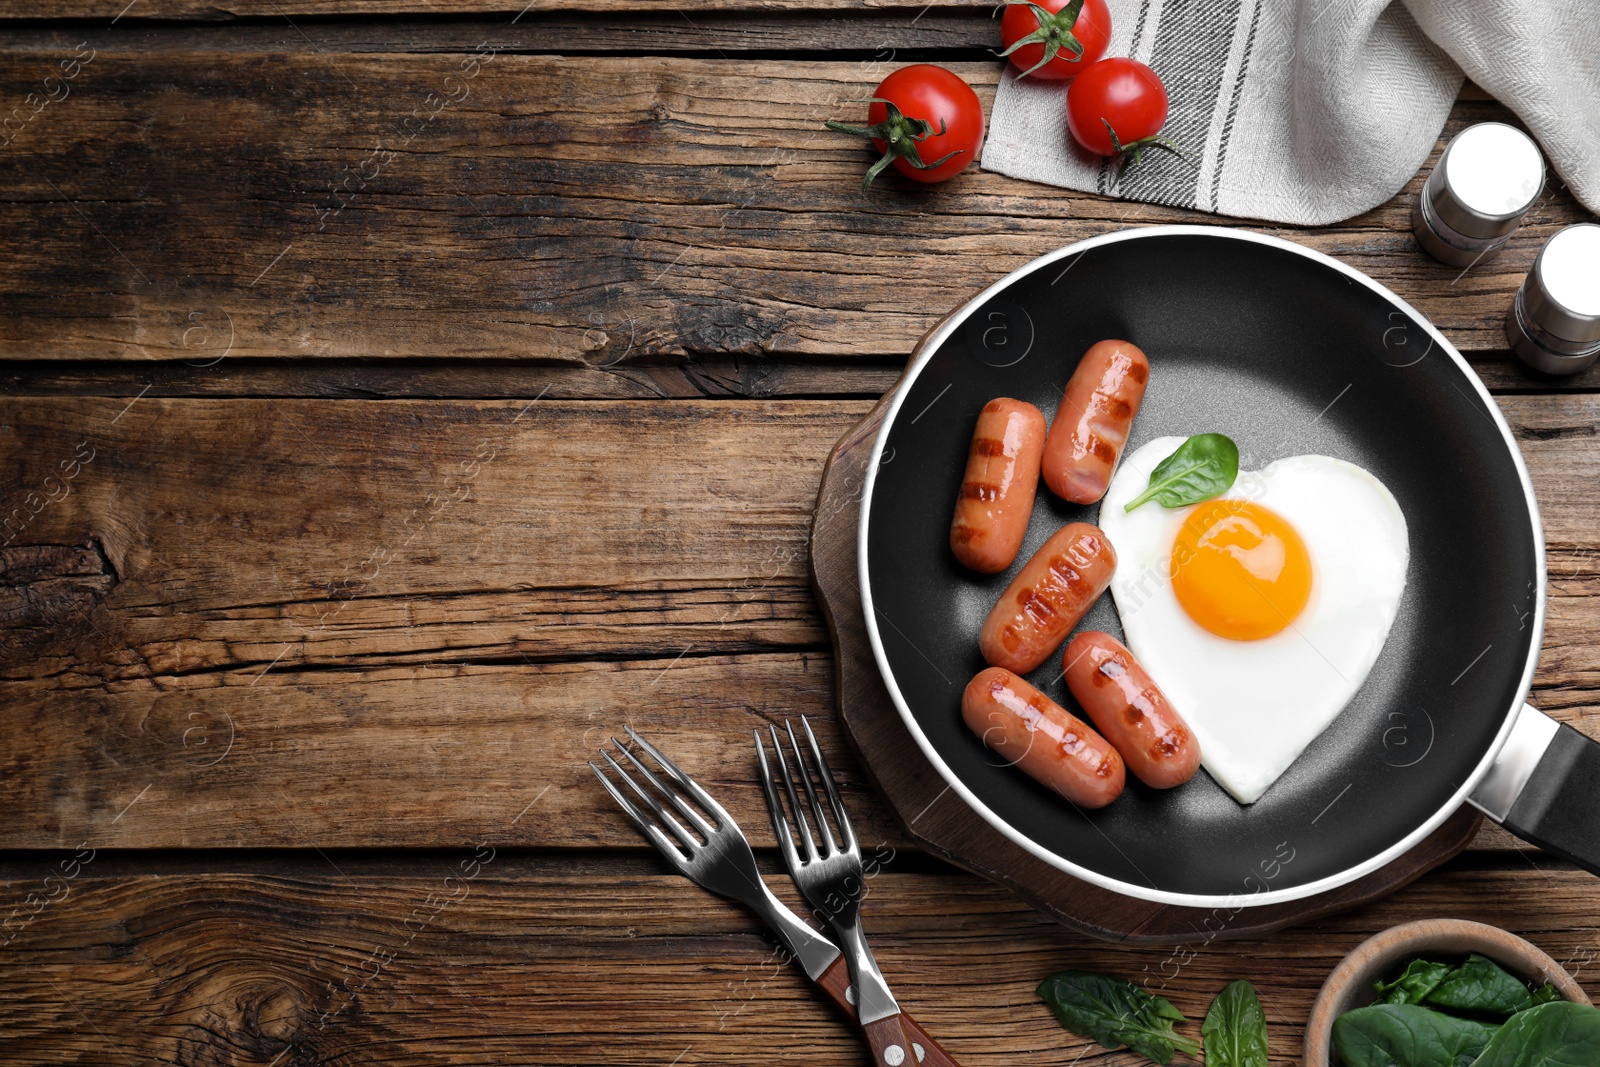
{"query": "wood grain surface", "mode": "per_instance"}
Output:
(212, 10)
(317, 958)
(951, 32)
(399, 396)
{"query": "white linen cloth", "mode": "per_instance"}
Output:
(1312, 111)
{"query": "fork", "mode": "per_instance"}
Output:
(724, 863)
(834, 882)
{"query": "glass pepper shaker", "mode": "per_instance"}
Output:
(1554, 322)
(1487, 179)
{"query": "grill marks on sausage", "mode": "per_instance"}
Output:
(1092, 421)
(1113, 669)
(997, 488)
(1065, 584)
(1115, 406)
(988, 446)
(1042, 739)
(1109, 669)
(984, 492)
(1085, 549)
(1141, 705)
(1066, 578)
(1011, 639)
(1129, 710)
(1039, 610)
(1047, 598)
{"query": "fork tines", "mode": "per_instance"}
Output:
(816, 768)
(652, 829)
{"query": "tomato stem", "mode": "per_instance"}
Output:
(1054, 32)
(1135, 149)
(899, 134)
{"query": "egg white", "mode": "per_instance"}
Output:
(1254, 706)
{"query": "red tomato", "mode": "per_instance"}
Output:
(924, 115)
(1049, 51)
(1122, 92)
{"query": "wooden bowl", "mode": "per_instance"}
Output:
(1350, 984)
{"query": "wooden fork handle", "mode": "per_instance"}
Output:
(836, 980)
(891, 1046)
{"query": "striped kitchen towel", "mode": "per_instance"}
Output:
(1311, 111)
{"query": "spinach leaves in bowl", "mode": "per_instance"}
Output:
(1471, 1014)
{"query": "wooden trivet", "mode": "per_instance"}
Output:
(940, 821)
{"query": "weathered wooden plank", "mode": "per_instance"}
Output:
(586, 211)
(549, 534)
(951, 33)
(527, 960)
(220, 10)
(422, 756)
(758, 376)
(322, 534)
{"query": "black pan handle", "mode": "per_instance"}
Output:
(1545, 788)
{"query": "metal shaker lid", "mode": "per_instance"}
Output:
(1562, 293)
(1489, 176)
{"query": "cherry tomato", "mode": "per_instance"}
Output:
(1123, 93)
(1044, 47)
(925, 121)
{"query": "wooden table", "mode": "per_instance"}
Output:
(400, 399)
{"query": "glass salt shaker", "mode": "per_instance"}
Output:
(1554, 322)
(1487, 179)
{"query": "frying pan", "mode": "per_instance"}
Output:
(1289, 352)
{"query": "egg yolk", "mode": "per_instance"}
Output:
(1240, 570)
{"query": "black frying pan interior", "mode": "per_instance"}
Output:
(1288, 356)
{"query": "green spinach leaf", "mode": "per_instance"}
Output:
(1235, 1030)
(1550, 1035)
(1407, 1035)
(1115, 1012)
(1203, 466)
(1419, 979)
(1480, 985)
(1546, 994)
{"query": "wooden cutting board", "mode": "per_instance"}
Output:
(943, 824)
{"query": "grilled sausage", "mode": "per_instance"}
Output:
(997, 491)
(1038, 735)
(1130, 710)
(1047, 598)
(1097, 408)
